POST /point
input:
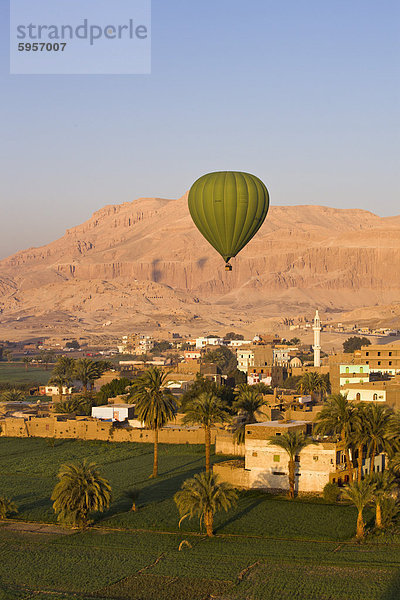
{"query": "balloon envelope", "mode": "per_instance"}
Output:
(228, 208)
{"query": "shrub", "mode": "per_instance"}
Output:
(390, 510)
(331, 493)
(7, 507)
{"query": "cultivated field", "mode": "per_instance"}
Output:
(17, 373)
(266, 548)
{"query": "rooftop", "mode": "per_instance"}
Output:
(283, 424)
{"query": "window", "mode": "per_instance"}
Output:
(390, 363)
(390, 354)
(358, 397)
(361, 369)
(375, 397)
(367, 362)
(277, 458)
(379, 353)
(315, 457)
(255, 454)
(347, 369)
(278, 473)
(379, 362)
(367, 354)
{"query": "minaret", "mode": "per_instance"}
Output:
(317, 340)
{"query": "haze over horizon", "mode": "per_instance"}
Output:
(321, 125)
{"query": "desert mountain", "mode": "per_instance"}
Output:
(143, 265)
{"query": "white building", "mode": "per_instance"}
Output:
(192, 354)
(202, 342)
(238, 343)
(53, 390)
(364, 393)
(282, 355)
(114, 412)
(245, 359)
(266, 465)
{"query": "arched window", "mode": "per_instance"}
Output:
(375, 397)
(347, 369)
(361, 369)
(358, 397)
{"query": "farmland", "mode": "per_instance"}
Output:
(267, 547)
(17, 374)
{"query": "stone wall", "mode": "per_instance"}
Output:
(233, 472)
(92, 429)
(225, 444)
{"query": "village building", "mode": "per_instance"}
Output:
(344, 374)
(194, 354)
(383, 358)
(385, 391)
(53, 390)
(202, 342)
(265, 465)
(238, 343)
(137, 344)
(115, 413)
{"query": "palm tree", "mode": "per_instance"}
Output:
(394, 463)
(7, 507)
(293, 443)
(359, 436)
(206, 410)
(203, 496)
(80, 491)
(26, 360)
(393, 433)
(86, 371)
(248, 402)
(13, 395)
(311, 382)
(360, 493)
(8, 355)
(78, 405)
(46, 357)
(384, 484)
(378, 421)
(64, 367)
(337, 417)
(154, 404)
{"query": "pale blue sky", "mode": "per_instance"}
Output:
(302, 93)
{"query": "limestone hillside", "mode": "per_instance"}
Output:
(143, 265)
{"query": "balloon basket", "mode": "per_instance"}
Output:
(228, 267)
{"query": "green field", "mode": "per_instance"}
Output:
(266, 548)
(17, 374)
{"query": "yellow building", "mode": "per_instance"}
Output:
(384, 358)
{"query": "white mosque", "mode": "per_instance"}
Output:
(317, 340)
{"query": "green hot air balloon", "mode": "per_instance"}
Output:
(228, 208)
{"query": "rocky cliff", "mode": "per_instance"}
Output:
(143, 264)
